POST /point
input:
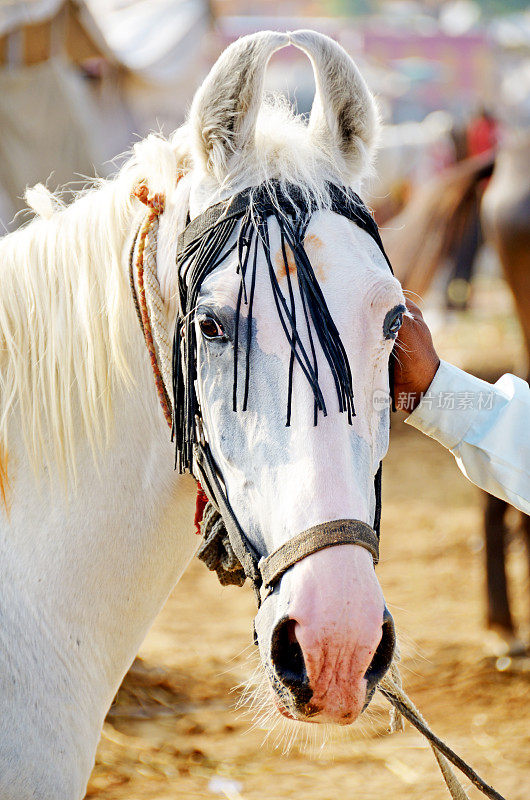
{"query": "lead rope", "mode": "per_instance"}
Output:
(391, 688)
(148, 300)
(151, 314)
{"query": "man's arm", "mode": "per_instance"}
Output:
(485, 426)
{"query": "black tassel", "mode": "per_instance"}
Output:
(245, 223)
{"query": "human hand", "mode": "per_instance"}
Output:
(416, 363)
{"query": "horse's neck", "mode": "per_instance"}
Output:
(83, 573)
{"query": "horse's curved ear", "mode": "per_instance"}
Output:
(225, 109)
(344, 119)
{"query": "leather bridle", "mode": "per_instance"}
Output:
(193, 244)
(194, 454)
(205, 242)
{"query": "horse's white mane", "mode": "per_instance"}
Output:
(65, 306)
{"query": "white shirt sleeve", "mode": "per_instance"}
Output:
(485, 426)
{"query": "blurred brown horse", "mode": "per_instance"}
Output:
(506, 222)
(430, 230)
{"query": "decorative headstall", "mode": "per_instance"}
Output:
(203, 245)
(242, 225)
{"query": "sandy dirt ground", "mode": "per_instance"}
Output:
(174, 730)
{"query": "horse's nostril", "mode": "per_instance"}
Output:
(288, 661)
(383, 655)
(286, 653)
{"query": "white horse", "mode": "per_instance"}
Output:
(97, 527)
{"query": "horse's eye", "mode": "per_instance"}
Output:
(393, 322)
(211, 329)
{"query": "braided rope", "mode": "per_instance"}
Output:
(397, 723)
(391, 689)
(155, 204)
(157, 308)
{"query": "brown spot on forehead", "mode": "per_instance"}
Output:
(312, 241)
(312, 245)
(280, 263)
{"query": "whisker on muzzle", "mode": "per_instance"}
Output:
(256, 704)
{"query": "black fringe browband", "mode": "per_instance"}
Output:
(206, 243)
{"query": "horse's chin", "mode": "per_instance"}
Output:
(309, 714)
(315, 718)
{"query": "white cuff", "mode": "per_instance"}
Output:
(451, 404)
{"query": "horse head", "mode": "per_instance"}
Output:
(293, 322)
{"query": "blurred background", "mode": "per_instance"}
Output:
(80, 82)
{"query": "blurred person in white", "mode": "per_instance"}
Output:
(486, 426)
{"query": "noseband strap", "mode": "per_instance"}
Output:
(266, 572)
(341, 531)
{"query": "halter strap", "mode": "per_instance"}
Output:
(341, 531)
(343, 201)
(206, 221)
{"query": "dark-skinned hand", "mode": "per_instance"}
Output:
(417, 361)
